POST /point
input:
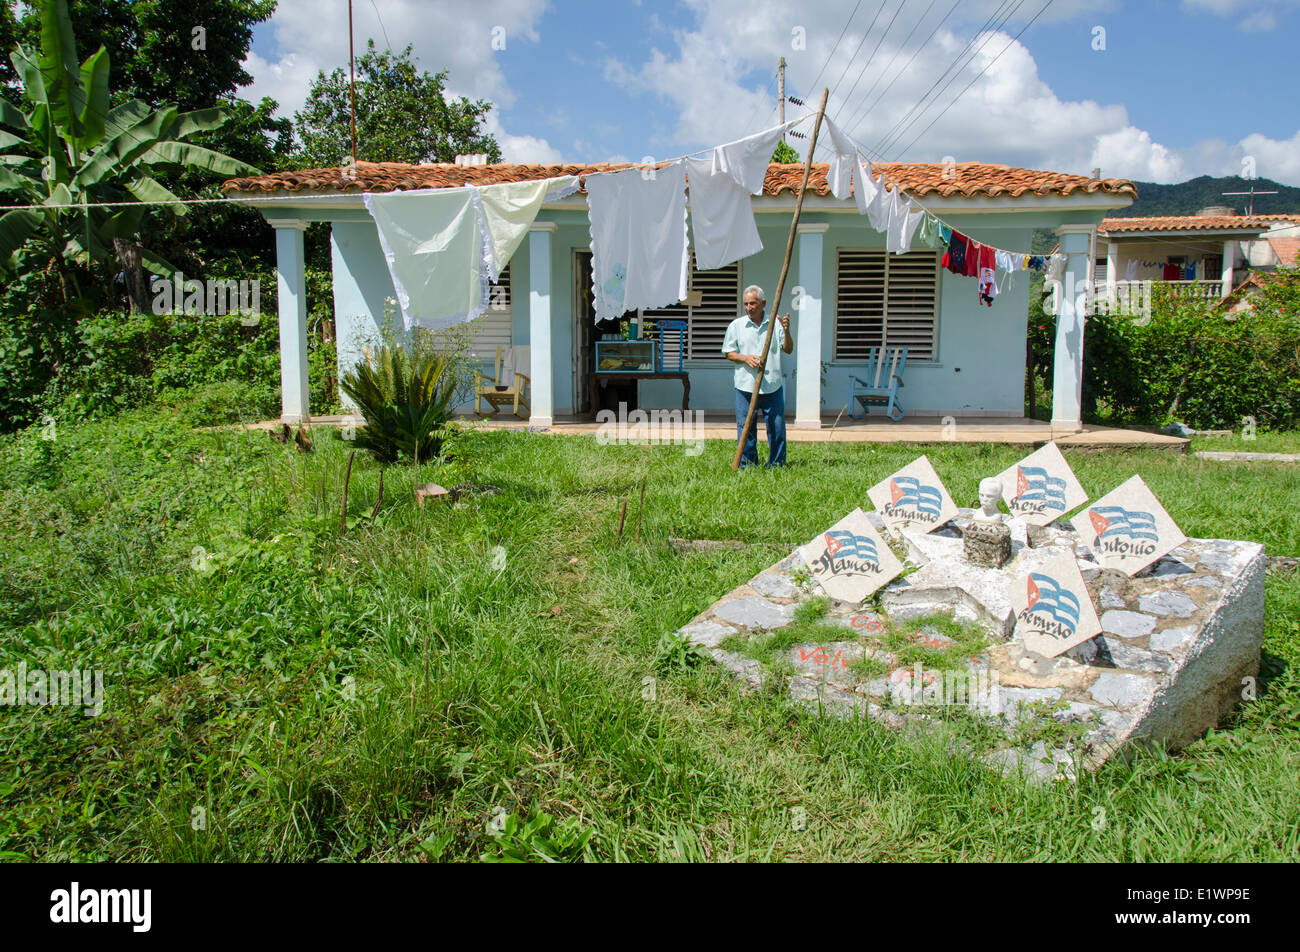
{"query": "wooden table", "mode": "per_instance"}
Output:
(600, 375)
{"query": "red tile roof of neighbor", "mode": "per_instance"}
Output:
(1287, 250)
(1115, 226)
(967, 179)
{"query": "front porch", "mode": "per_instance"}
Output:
(720, 425)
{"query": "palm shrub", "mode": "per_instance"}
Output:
(405, 398)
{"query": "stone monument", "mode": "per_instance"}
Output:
(987, 540)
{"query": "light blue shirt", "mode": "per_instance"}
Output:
(745, 337)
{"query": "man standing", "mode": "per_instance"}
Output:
(743, 344)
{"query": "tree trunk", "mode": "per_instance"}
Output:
(137, 289)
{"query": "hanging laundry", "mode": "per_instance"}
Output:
(878, 206)
(1036, 262)
(511, 207)
(866, 190)
(902, 225)
(929, 234)
(988, 285)
(639, 254)
(844, 167)
(945, 233)
(1131, 270)
(722, 217)
(1190, 273)
(746, 160)
(1017, 262)
(1004, 261)
(1172, 273)
(1056, 267)
(973, 251)
(955, 258)
(438, 259)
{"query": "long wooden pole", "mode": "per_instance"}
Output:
(780, 285)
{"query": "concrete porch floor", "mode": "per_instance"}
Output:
(721, 425)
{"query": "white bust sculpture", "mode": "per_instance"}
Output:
(990, 493)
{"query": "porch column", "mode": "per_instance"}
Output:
(291, 279)
(1229, 262)
(542, 399)
(808, 332)
(1067, 378)
(1112, 272)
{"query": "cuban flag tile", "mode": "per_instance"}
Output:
(913, 497)
(1054, 611)
(1041, 488)
(850, 560)
(1128, 529)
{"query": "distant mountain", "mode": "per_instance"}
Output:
(1187, 198)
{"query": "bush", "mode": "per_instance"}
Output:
(1192, 361)
(405, 398)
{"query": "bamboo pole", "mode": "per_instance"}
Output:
(780, 285)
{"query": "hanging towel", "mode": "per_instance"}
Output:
(865, 189)
(973, 251)
(510, 208)
(945, 233)
(1004, 261)
(722, 217)
(988, 285)
(1056, 267)
(902, 226)
(746, 160)
(845, 167)
(1131, 271)
(436, 252)
(1190, 274)
(639, 254)
(928, 234)
(955, 259)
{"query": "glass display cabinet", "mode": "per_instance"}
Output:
(625, 356)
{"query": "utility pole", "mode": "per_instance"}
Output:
(1252, 193)
(780, 72)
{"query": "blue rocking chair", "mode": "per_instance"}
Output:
(880, 388)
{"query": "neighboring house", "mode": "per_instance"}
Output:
(1216, 245)
(965, 359)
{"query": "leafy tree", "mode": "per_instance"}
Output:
(402, 116)
(191, 53)
(784, 154)
(71, 147)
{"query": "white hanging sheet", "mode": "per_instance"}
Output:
(722, 217)
(509, 209)
(639, 255)
(746, 160)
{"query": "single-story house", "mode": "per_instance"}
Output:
(965, 359)
(1207, 254)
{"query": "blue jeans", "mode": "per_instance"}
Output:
(772, 407)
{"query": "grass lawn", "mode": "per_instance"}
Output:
(450, 683)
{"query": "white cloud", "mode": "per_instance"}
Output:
(457, 37)
(1009, 114)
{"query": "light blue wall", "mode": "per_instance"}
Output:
(978, 369)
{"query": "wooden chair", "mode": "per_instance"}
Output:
(496, 391)
(880, 388)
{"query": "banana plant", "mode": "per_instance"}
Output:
(73, 148)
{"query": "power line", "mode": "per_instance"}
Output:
(904, 119)
(858, 49)
(1010, 43)
(898, 52)
(814, 83)
(866, 109)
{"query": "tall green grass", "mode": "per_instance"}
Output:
(276, 691)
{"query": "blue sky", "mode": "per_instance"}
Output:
(1181, 88)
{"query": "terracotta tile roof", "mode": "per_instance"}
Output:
(1286, 249)
(1115, 226)
(967, 179)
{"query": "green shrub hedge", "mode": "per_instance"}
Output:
(1192, 361)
